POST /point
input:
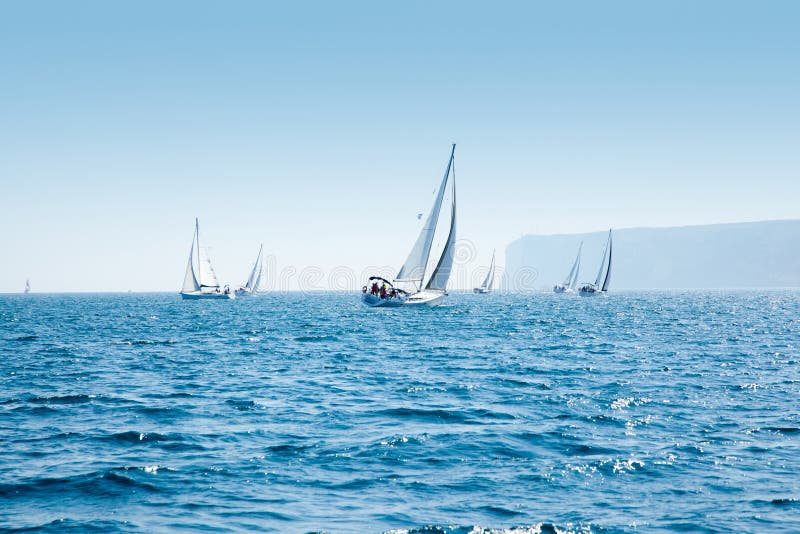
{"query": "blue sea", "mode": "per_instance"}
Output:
(290, 412)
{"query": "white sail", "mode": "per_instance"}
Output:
(572, 278)
(488, 282)
(574, 283)
(413, 270)
(190, 282)
(207, 275)
(602, 263)
(205, 272)
(255, 275)
(27, 286)
(199, 272)
(607, 280)
(441, 274)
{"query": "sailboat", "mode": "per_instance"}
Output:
(251, 286)
(569, 283)
(600, 284)
(27, 286)
(200, 281)
(488, 282)
(415, 284)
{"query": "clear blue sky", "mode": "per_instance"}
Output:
(276, 122)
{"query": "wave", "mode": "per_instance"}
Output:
(475, 416)
(101, 526)
(539, 528)
(62, 399)
(132, 437)
(315, 339)
(136, 342)
(24, 338)
(115, 481)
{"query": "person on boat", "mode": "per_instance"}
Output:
(383, 291)
(375, 288)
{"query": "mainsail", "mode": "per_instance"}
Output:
(442, 271)
(255, 275)
(602, 262)
(413, 270)
(572, 278)
(199, 272)
(488, 282)
(190, 283)
(207, 275)
(608, 269)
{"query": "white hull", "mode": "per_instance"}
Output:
(562, 289)
(374, 301)
(425, 298)
(244, 292)
(480, 290)
(198, 295)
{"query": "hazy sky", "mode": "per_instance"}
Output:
(322, 129)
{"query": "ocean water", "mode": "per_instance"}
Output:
(639, 412)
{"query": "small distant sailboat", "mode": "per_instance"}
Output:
(488, 282)
(414, 286)
(27, 286)
(251, 286)
(200, 281)
(603, 279)
(569, 283)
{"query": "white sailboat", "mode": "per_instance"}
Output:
(251, 286)
(200, 280)
(416, 284)
(27, 286)
(569, 283)
(603, 279)
(488, 282)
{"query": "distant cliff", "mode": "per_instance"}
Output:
(740, 255)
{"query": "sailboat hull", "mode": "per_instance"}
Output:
(204, 296)
(425, 298)
(242, 292)
(374, 301)
(590, 291)
(561, 289)
(480, 290)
